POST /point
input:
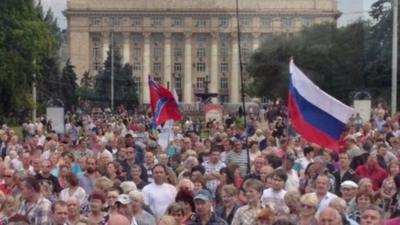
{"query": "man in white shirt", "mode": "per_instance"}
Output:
(159, 195)
(273, 197)
(322, 186)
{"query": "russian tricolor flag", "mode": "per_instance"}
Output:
(316, 116)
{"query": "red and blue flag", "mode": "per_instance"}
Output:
(163, 104)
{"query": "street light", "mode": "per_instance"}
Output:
(395, 8)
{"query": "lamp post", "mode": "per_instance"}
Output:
(112, 69)
(395, 8)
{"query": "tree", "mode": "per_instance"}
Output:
(124, 89)
(69, 86)
(332, 57)
(48, 83)
(378, 70)
(25, 39)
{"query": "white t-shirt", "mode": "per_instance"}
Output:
(159, 197)
(79, 193)
(273, 199)
(293, 181)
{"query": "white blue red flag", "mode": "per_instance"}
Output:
(163, 104)
(316, 116)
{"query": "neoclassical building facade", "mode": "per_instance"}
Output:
(185, 44)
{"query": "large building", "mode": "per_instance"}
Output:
(184, 43)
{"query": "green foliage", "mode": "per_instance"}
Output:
(25, 38)
(124, 89)
(69, 86)
(339, 60)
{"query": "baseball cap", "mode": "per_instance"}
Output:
(203, 195)
(349, 184)
(124, 199)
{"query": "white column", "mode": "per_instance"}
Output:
(126, 48)
(167, 60)
(106, 44)
(187, 89)
(214, 64)
(234, 90)
(256, 41)
(146, 69)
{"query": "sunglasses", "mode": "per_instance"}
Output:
(306, 206)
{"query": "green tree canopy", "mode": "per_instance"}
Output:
(25, 39)
(339, 60)
(124, 88)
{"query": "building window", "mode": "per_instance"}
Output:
(224, 83)
(266, 22)
(201, 52)
(157, 53)
(200, 82)
(94, 21)
(137, 83)
(224, 22)
(224, 67)
(137, 52)
(96, 51)
(136, 67)
(97, 65)
(200, 22)
(224, 52)
(136, 21)
(178, 67)
(201, 67)
(178, 53)
(245, 53)
(307, 22)
(244, 66)
(286, 23)
(177, 22)
(178, 83)
(156, 21)
(157, 67)
(245, 21)
(115, 21)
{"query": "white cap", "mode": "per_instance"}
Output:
(349, 184)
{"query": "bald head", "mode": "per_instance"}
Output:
(118, 219)
(330, 216)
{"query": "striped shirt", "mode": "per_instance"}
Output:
(240, 159)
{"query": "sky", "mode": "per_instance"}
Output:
(351, 10)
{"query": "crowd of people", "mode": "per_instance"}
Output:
(110, 169)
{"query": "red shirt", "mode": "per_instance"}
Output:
(5, 189)
(395, 221)
(377, 175)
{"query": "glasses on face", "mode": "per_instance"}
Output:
(305, 206)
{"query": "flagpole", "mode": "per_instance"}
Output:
(395, 7)
(242, 86)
